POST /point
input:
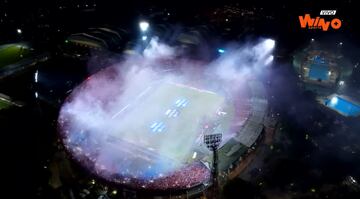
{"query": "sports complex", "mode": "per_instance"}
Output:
(146, 131)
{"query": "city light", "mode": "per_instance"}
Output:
(144, 26)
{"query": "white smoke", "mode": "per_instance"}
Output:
(101, 108)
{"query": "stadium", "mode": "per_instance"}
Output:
(141, 124)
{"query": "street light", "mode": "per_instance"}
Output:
(19, 31)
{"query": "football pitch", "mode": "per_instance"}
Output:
(169, 118)
(4, 104)
(12, 53)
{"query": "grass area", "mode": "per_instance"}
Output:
(4, 104)
(12, 53)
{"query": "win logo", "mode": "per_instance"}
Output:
(319, 22)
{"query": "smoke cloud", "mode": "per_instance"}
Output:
(105, 115)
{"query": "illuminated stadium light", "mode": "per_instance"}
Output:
(334, 100)
(341, 83)
(144, 26)
(340, 43)
(312, 39)
(269, 44)
(144, 38)
(36, 95)
(269, 59)
(213, 141)
(19, 31)
(221, 51)
(329, 73)
(36, 76)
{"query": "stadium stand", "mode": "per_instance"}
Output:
(254, 125)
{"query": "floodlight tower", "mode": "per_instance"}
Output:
(212, 142)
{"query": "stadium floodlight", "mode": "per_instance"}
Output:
(340, 43)
(144, 26)
(213, 141)
(312, 39)
(269, 44)
(19, 31)
(269, 59)
(221, 51)
(36, 76)
(144, 38)
(341, 83)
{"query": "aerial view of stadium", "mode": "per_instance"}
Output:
(180, 99)
(148, 130)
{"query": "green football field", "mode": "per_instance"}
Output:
(177, 139)
(12, 53)
(4, 104)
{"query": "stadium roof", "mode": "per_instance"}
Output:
(254, 125)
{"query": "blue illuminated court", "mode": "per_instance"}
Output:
(343, 105)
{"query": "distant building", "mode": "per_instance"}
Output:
(80, 45)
